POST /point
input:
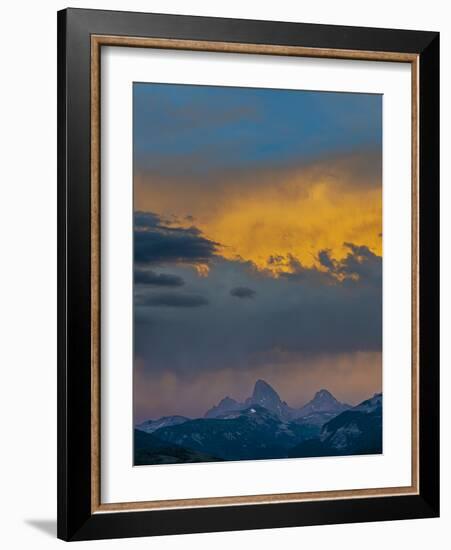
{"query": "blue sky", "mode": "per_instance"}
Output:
(241, 127)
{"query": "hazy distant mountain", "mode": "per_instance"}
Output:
(267, 397)
(323, 401)
(320, 409)
(225, 405)
(149, 426)
(263, 395)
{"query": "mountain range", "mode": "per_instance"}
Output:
(263, 426)
(323, 403)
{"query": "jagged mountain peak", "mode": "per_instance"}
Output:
(262, 383)
(263, 391)
(266, 396)
(324, 396)
(227, 401)
(226, 405)
(263, 395)
(323, 393)
(323, 401)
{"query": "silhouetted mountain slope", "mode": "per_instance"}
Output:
(353, 432)
(238, 435)
(370, 404)
(149, 449)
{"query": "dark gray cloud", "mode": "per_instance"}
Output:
(148, 277)
(242, 292)
(308, 275)
(359, 268)
(326, 260)
(158, 242)
(309, 311)
(144, 220)
(363, 263)
(167, 299)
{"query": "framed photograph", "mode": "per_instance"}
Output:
(248, 274)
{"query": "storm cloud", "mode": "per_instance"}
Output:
(362, 263)
(243, 292)
(214, 351)
(167, 299)
(306, 311)
(157, 242)
(148, 277)
(360, 267)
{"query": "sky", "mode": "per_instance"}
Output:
(257, 245)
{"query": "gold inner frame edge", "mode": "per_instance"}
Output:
(97, 41)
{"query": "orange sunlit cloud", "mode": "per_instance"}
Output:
(256, 216)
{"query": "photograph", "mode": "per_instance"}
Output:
(257, 267)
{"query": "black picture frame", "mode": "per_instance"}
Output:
(76, 521)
